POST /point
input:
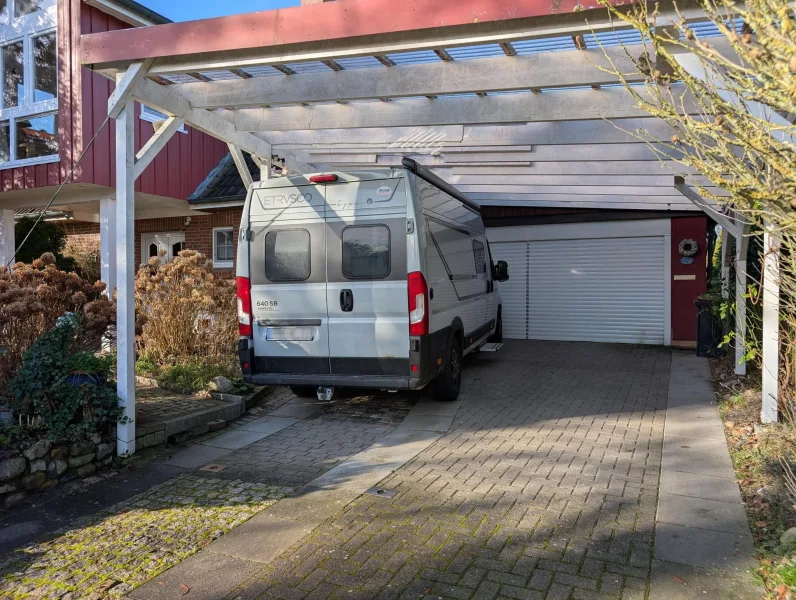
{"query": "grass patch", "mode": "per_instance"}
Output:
(193, 375)
(123, 547)
(756, 453)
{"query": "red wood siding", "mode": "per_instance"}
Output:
(684, 292)
(177, 170)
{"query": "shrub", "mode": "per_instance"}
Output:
(33, 296)
(86, 260)
(186, 312)
(41, 387)
(46, 237)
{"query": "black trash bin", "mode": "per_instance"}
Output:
(708, 330)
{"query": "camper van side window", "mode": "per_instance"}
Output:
(366, 252)
(480, 257)
(287, 255)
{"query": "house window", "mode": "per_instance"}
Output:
(152, 116)
(29, 95)
(223, 247)
(26, 7)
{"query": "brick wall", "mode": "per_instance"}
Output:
(198, 233)
(81, 236)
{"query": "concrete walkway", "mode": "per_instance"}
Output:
(703, 547)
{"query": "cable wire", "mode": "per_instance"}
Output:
(58, 191)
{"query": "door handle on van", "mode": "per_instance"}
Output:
(346, 300)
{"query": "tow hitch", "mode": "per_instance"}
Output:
(325, 393)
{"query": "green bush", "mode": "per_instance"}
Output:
(46, 237)
(41, 387)
(191, 374)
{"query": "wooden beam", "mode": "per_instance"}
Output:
(155, 144)
(769, 412)
(240, 163)
(580, 43)
(385, 60)
(166, 101)
(241, 73)
(345, 27)
(499, 74)
(706, 206)
(198, 76)
(443, 54)
(126, 86)
(741, 234)
(333, 65)
(125, 274)
(284, 69)
(508, 49)
(614, 103)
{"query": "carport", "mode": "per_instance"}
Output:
(502, 98)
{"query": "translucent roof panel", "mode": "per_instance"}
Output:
(219, 75)
(704, 29)
(266, 71)
(181, 78)
(414, 58)
(308, 67)
(509, 92)
(551, 44)
(480, 51)
(464, 95)
(606, 39)
(362, 62)
(566, 89)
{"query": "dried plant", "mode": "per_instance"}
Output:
(185, 311)
(731, 102)
(33, 296)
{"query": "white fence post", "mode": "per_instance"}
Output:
(769, 411)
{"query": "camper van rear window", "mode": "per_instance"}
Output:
(287, 255)
(366, 252)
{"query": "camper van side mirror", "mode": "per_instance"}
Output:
(501, 272)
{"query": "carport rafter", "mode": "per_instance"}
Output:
(614, 103)
(560, 69)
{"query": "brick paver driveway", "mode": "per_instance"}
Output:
(544, 487)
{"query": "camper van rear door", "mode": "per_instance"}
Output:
(288, 274)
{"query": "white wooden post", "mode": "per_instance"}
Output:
(125, 271)
(108, 243)
(769, 412)
(726, 255)
(741, 247)
(7, 243)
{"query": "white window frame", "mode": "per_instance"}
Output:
(25, 29)
(223, 264)
(150, 115)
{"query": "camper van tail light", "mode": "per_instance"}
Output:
(244, 306)
(323, 178)
(418, 304)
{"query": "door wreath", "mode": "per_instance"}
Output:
(688, 247)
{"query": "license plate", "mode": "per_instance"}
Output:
(290, 334)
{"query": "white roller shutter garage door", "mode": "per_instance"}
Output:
(584, 287)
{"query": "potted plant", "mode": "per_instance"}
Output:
(87, 368)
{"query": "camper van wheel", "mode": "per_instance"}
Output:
(446, 386)
(497, 337)
(304, 391)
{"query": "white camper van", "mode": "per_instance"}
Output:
(380, 280)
